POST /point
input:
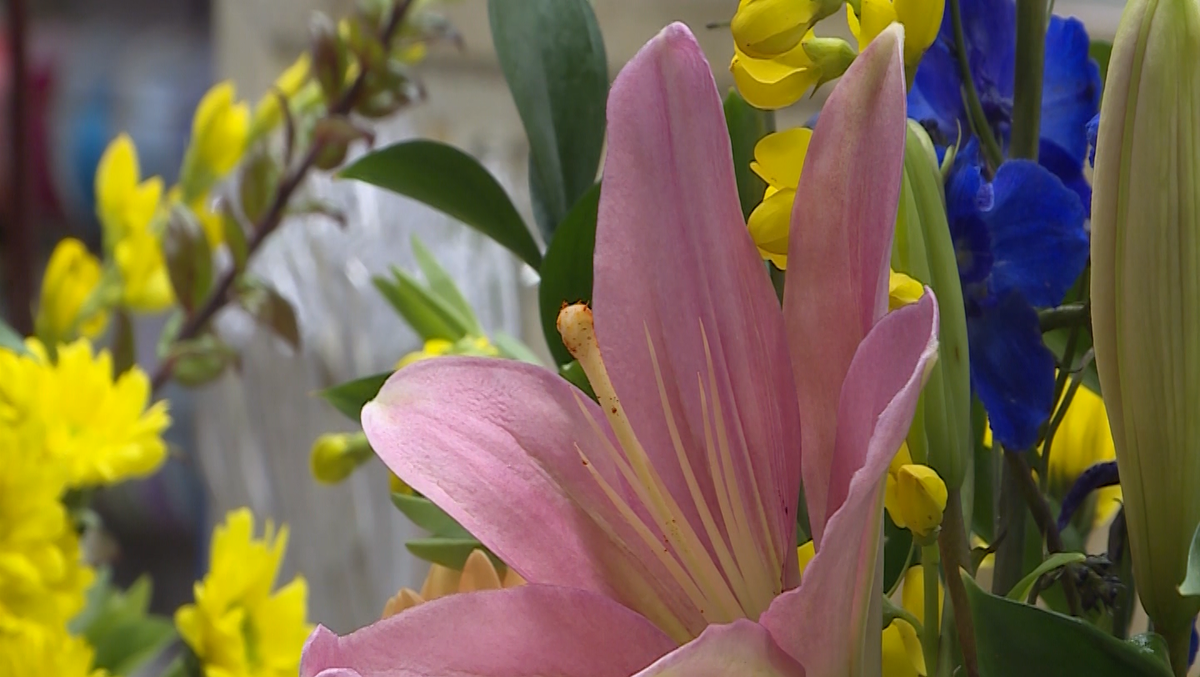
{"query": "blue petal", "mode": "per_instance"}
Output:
(1093, 131)
(1011, 369)
(1068, 169)
(1036, 227)
(1070, 87)
(1095, 477)
(1193, 645)
(967, 197)
(990, 33)
(935, 99)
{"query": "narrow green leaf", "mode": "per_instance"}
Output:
(567, 269)
(893, 612)
(1190, 587)
(10, 339)
(1014, 640)
(513, 347)
(116, 624)
(428, 315)
(574, 373)
(1101, 51)
(1056, 561)
(450, 181)
(428, 516)
(271, 310)
(747, 125)
(188, 256)
(449, 552)
(552, 56)
(442, 285)
(1056, 341)
(350, 397)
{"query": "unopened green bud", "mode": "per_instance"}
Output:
(336, 455)
(941, 432)
(832, 56)
(1146, 292)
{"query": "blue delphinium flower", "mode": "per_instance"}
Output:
(1070, 86)
(1021, 244)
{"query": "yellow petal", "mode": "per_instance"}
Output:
(401, 601)
(896, 659)
(922, 20)
(769, 224)
(116, 175)
(71, 276)
(479, 574)
(912, 648)
(440, 581)
(805, 554)
(779, 157)
(875, 16)
(921, 498)
(903, 290)
(912, 594)
(768, 28)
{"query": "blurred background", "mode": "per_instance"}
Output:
(94, 69)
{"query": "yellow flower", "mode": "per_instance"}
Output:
(780, 81)
(72, 276)
(920, 500)
(237, 626)
(477, 574)
(902, 655)
(30, 649)
(219, 132)
(201, 207)
(267, 113)
(335, 456)
(99, 429)
(921, 20)
(765, 29)
(805, 554)
(126, 208)
(903, 290)
(478, 346)
(778, 159)
(124, 203)
(42, 574)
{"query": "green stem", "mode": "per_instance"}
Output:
(1054, 425)
(1040, 510)
(932, 629)
(1066, 316)
(956, 556)
(1010, 551)
(1027, 87)
(975, 114)
(912, 549)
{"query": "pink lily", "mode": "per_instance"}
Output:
(657, 528)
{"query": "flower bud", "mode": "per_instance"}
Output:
(764, 29)
(920, 499)
(72, 277)
(922, 249)
(336, 455)
(1145, 292)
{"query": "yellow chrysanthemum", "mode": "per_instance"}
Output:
(126, 207)
(42, 574)
(30, 649)
(921, 20)
(72, 276)
(237, 626)
(478, 346)
(99, 429)
(219, 132)
(778, 159)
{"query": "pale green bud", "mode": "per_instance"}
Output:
(1146, 293)
(336, 455)
(940, 435)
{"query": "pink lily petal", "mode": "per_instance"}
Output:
(841, 242)
(681, 294)
(528, 630)
(825, 622)
(497, 444)
(739, 649)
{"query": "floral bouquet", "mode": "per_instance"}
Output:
(903, 391)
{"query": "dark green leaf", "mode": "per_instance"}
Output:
(897, 549)
(1056, 561)
(552, 55)
(429, 316)
(235, 236)
(116, 624)
(428, 516)
(350, 397)
(271, 310)
(747, 125)
(574, 373)
(449, 552)
(453, 182)
(1016, 640)
(188, 257)
(260, 179)
(444, 288)
(10, 339)
(567, 269)
(1101, 51)
(201, 360)
(1056, 341)
(124, 346)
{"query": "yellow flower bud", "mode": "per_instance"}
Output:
(219, 132)
(1145, 292)
(903, 290)
(336, 455)
(764, 29)
(72, 277)
(920, 499)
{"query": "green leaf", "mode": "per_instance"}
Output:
(512, 347)
(428, 516)
(747, 125)
(1101, 51)
(449, 552)
(450, 181)
(1015, 640)
(893, 611)
(200, 360)
(116, 624)
(567, 270)
(897, 547)
(429, 316)
(10, 339)
(442, 286)
(1190, 587)
(124, 343)
(188, 256)
(552, 56)
(349, 397)
(271, 310)
(1056, 341)
(573, 372)
(1056, 561)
